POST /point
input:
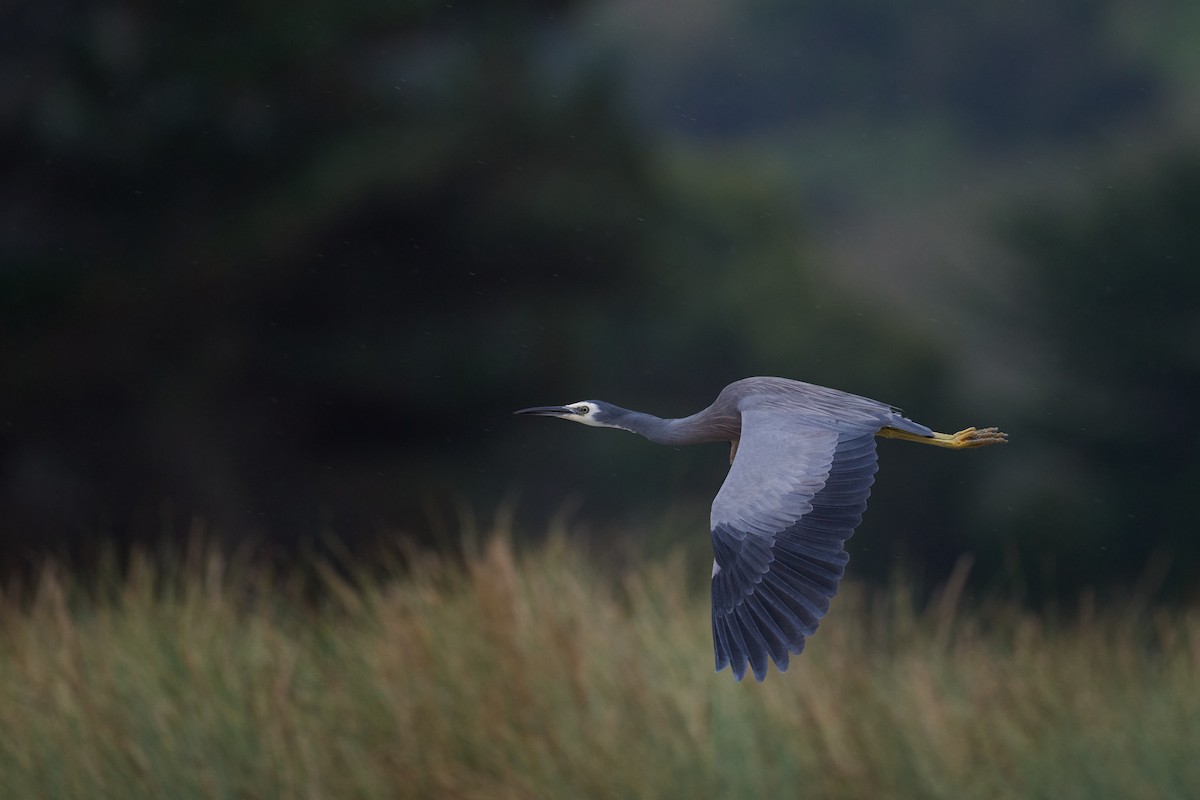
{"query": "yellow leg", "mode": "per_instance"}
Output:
(970, 437)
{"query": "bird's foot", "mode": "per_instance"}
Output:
(971, 437)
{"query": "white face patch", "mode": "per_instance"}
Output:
(588, 418)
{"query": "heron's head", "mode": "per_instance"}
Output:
(590, 412)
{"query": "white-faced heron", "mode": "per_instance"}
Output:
(802, 463)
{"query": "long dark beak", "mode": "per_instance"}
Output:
(547, 411)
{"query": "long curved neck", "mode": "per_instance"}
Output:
(697, 428)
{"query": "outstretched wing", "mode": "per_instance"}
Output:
(796, 491)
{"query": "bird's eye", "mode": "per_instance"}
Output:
(583, 410)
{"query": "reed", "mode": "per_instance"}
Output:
(541, 675)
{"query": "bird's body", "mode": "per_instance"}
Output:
(802, 463)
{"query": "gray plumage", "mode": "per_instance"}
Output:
(802, 464)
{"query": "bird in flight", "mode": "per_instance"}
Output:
(802, 461)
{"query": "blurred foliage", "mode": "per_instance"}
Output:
(999, 76)
(290, 272)
(293, 275)
(1112, 301)
(253, 256)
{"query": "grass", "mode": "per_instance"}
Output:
(539, 675)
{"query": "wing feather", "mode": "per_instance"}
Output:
(796, 491)
(721, 642)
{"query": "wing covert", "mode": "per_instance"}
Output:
(796, 491)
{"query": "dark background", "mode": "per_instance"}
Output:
(283, 272)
